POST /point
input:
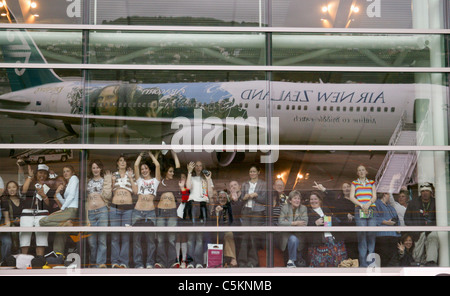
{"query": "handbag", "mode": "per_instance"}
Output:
(180, 210)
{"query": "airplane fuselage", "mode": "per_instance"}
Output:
(310, 113)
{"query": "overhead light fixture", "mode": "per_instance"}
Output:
(324, 9)
(33, 4)
(355, 9)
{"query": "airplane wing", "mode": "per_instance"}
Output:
(15, 100)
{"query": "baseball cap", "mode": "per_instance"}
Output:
(426, 186)
(43, 167)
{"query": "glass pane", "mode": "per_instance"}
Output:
(31, 46)
(401, 14)
(40, 106)
(145, 112)
(179, 13)
(413, 193)
(301, 179)
(42, 12)
(173, 48)
(358, 108)
(356, 50)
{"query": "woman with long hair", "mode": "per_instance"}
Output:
(254, 211)
(363, 195)
(169, 198)
(144, 213)
(98, 198)
(121, 211)
(69, 207)
(12, 206)
(200, 186)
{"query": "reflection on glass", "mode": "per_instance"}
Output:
(179, 13)
(402, 14)
(32, 46)
(353, 50)
(150, 48)
(42, 12)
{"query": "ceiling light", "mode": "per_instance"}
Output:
(355, 9)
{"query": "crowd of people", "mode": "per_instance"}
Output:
(157, 191)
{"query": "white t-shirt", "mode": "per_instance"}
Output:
(251, 190)
(146, 187)
(321, 214)
(199, 189)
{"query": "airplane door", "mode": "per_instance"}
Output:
(421, 107)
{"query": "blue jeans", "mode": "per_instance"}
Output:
(97, 241)
(6, 241)
(366, 240)
(292, 246)
(166, 240)
(195, 247)
(120, 242)
(143, 218)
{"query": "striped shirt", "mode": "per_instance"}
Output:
(364, 191)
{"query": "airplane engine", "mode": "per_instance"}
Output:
(209, 159)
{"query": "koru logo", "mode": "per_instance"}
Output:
(74, 8)
(374, 8)
(18, 48)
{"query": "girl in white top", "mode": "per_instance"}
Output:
(69, 208)
(144, 213)
(146, 185)
(201, 187)
(121, 212)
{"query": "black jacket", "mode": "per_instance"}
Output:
(420, 214)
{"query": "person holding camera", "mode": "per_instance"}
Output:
(422, 212)
(386, 215)
(200, 185)
(39, 203)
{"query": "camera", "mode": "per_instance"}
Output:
(38, 186)
(22, 162)
(206, 172)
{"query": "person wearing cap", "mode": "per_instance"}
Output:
(39, 203)
(422, 212)
(222, 215)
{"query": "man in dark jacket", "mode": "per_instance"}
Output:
(422, 212)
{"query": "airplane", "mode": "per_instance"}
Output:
(300, 113)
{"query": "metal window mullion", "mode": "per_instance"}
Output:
(227, 68)
(201, 29)
(225, 147)
(206, 229)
